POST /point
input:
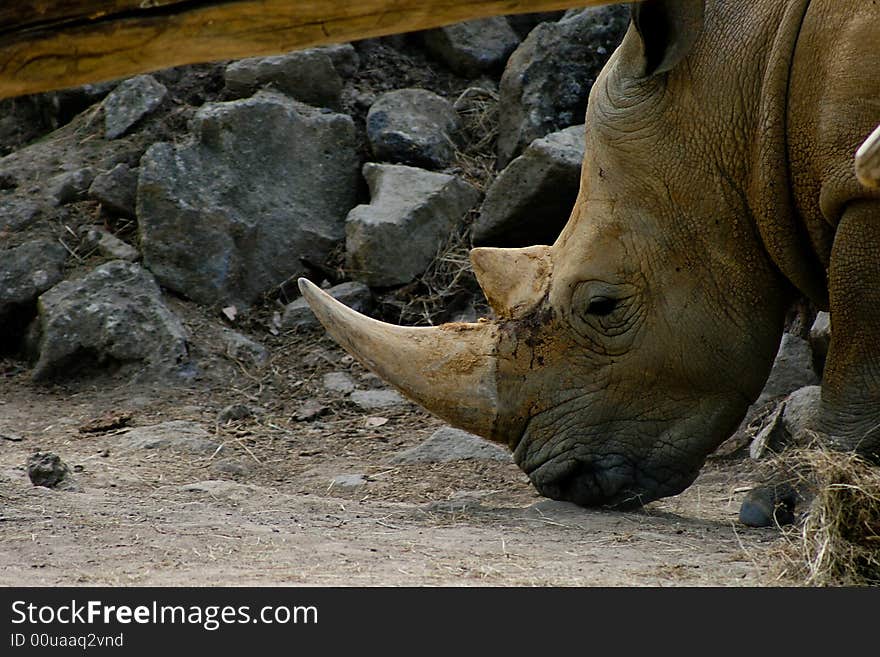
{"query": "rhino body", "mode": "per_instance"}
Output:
(717, 186)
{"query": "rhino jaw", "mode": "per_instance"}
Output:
(449, 369)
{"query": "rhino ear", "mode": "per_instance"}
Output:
(668, 29)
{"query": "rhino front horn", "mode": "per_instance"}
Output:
(449, 369)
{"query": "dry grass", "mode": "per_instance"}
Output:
(838, 542)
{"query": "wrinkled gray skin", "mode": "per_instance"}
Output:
(717, 185)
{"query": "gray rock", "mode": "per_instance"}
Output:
(522, 24)
(109, 245)
(548, 78)
(413, 126)
(178, 435)
(116, 190)
(412, 213)
(26, 272)
(46, 469)
(449, 444)
(17, 212)
(348, 481)
(474, 47)
(235, 412)
(800, 414)
(312, 409)
(266, 182)
(340, 382)
(370, 400)
(129, 102)
(307, 75)
(233, 467)
(242, 348)
(354, 294)
(345, 58)
(112, 318)
(792, 369)
(530, 201)
(70, 186)
(820, 340)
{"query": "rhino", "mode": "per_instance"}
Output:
(717, 187)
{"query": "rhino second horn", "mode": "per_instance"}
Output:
(513, 280)
(449, 369)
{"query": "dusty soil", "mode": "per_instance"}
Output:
(263, 511)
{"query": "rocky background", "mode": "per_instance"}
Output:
(152, 229)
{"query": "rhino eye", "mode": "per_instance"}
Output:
(601, 306)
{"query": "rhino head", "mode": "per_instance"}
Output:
(626, 352)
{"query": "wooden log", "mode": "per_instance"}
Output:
(52, 44)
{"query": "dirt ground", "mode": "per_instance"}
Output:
(263, 510)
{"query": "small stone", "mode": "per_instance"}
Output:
(109, 245)
(310, 410)
(116, 190)
(339, 382)
(237, 412)
(46, 469)
(109, 421)
(370, 400)
(242, 348)
(130, 102)
(70, 186)
(449, 444)
(348, 481)
(374, 422)
(178, 435)
(232, 467)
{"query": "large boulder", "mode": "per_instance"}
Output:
(530, 201)
(307, 75)
(265, 182)
(26, 272)
(415, 127)
(412, 213)
(548, 78)
(112, 319)
(474, 47)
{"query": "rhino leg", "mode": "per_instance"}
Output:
(850, 412)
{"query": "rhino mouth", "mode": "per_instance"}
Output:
(608, 481)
